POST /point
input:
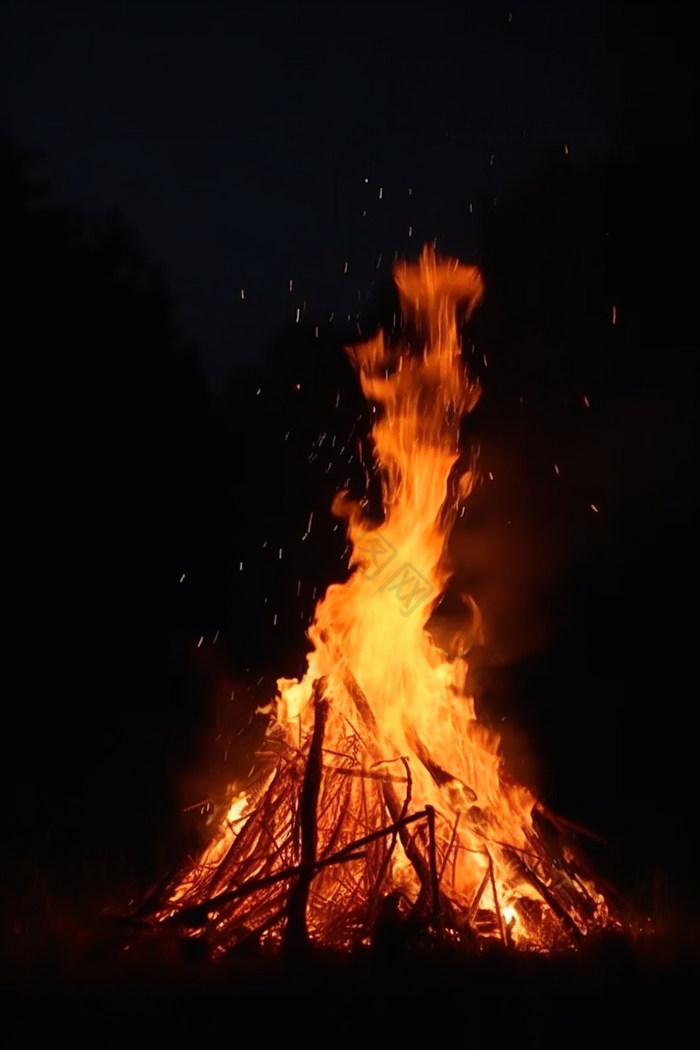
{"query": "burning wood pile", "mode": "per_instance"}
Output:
(381, 806)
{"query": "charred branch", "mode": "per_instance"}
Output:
(297, 934)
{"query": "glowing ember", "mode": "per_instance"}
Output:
(381, 733)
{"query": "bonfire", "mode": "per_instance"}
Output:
(380, 802)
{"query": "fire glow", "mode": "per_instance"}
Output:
(379, 791)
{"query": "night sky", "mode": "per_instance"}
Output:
(297, 143)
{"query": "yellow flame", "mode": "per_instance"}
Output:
(371, 630)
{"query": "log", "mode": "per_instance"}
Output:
(546, 894)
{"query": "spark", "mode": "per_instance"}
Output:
(280, 554)
(308, 531)
(594, 508)
(216, 637)
(274, 620)
(182, 577)
(240, 566)
(586, 402)
(556, 470)
(614, 315)
(345, 268)
(199, 643)
(259, 391)
(410, 231)
(490, 476)
(242, 293)
(381, 192)
(291, 285)
(298, 315)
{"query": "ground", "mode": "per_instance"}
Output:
(610, 988)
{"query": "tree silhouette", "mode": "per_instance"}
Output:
(110, 441)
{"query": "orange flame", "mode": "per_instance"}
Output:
(394, 696)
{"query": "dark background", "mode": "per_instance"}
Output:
(164, 455)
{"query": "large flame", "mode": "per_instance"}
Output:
(401, 729)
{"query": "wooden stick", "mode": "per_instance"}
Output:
(563, 823)
(546, 894)
(499, 915)
(392, 846)
(198, 913)
(440, 776)
(367, 774)
(474, 906)
(453, 836)
(432, 852)
(354, 691)
(297, 933)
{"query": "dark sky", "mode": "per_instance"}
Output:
(246, 146)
